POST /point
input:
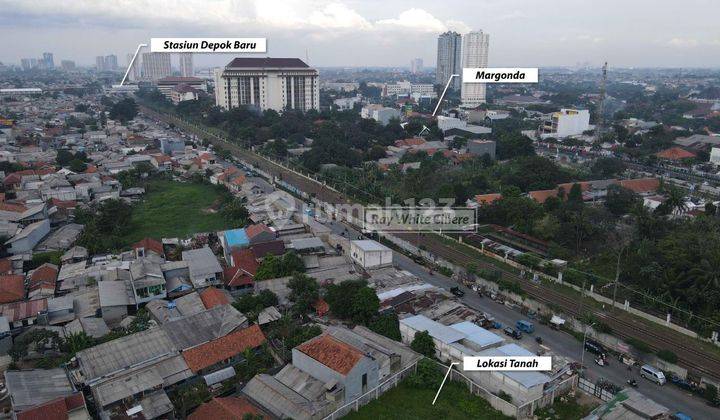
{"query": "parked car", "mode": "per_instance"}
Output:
(594, 347)
(652, 374)
(512, 333)
(525, 326)
(457, 292)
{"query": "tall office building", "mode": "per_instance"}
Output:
(474, 54)
(100, 63)
(111, 62)
(155, 65)
(48, 61)
(186, 65)
(448, 59)
(267, 83)
(416, 65)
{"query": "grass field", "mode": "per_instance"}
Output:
(174, 209)
(405, 402)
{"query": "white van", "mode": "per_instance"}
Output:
(653, 374)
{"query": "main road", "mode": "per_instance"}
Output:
(559, 342)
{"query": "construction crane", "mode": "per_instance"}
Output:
(600, 117)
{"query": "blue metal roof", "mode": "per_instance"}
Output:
(236, 237)
(436, 330)
(477, 334)
(528, 379)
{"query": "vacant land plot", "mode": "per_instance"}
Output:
(175, 209)
(406, 402)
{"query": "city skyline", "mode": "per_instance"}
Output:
(645, 34)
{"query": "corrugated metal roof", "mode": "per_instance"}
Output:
(477, 334)
(436, 330)
(528, 379)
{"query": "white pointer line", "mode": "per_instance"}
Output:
(451, 364)
(443, 94)
(132, 62)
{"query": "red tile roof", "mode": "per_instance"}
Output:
(245, 259)
(212, 297)
(254, 230)
(13, 207)
(332, 353)
(415, 141)
(65, 204)
(56, 409)
(675, 153)
(224, 408)
(487, 198)
(45, 275)
(542, 195)
(213, 352)
(12, 288)
(150, 244)
(6, 266)
(641, 185)
(235, 277)
(321, 307)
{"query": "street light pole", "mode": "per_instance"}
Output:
(582, 355)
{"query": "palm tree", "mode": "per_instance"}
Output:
(675, 202)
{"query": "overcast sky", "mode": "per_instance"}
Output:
(626, 33)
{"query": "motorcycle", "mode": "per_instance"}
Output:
(632, 382)
(600, 361)
(538, 340)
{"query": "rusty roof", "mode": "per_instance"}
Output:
(332, 353)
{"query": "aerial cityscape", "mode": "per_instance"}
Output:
(318, 210)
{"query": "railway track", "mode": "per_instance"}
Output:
(690, 357)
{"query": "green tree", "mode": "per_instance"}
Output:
(365, 305)
(423, 344)
(124, 110)
(304, 292)
(620, 200)
(77, 166)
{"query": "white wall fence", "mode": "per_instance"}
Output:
(374, 393)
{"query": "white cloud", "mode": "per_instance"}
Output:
(683, 42)
(417, 19)
(337, 15)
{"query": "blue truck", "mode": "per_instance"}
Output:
(525, 326)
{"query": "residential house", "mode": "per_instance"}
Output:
(33, 387)
(204, 268)
(12, 288)
(42, 281)
(222, 352)
(148, 282)
(28, 238)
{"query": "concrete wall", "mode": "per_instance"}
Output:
(352, 382)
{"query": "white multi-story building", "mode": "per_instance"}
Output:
(186, 65)
(267, 83)
(410, 89)
(474, 55)
(448, 59)
(567, 122)
(379, 113)
(156, 65)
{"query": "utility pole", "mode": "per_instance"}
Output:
(600, 117)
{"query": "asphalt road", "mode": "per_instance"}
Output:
(559, 342)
